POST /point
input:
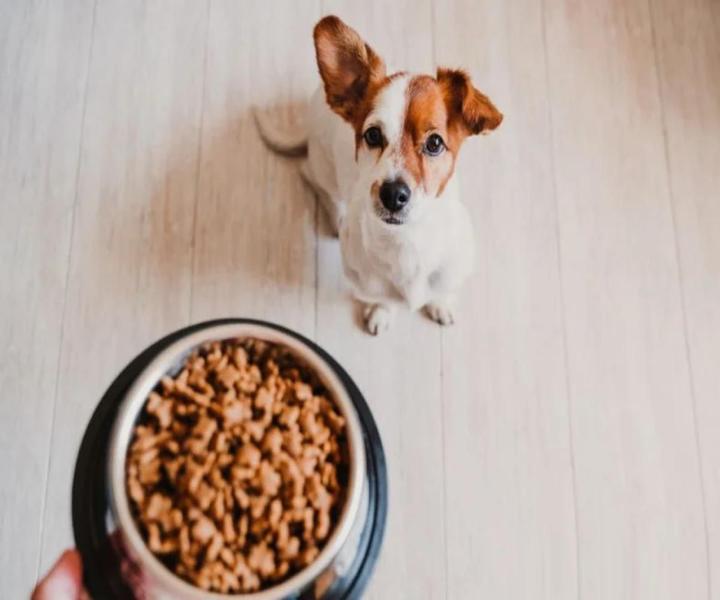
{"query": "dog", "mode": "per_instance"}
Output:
(381, 154)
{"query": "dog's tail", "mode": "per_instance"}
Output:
(292, 142)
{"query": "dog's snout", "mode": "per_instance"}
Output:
(394, 195)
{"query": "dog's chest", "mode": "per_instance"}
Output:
(400, 265)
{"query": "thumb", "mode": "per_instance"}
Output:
(64, 581)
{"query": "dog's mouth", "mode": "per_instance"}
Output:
(389, 218)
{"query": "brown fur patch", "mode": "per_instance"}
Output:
(451, 107)
(350, 69)
(469, 108)
(427, 114)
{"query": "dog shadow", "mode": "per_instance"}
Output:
(207, 225)
(229, 228)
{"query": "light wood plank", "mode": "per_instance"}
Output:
(688, 46)
(130, 266)
(509, 482)
(399, 373)
(640, 520)
(255, 227)
(43, 60)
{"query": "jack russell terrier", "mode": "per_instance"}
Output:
(381, 152)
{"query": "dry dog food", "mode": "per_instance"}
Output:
(237, 467)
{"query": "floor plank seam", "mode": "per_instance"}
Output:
(563, 323)
(198, 161)
(446, 564)
(316, 304)
(433, 34)
(681, 291)
(444, 463)
(316, 218)
(68, 271)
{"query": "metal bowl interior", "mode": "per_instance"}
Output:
(169, 360)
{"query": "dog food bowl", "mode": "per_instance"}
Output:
(117, 562)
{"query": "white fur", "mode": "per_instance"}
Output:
(389, 110)
(421, 263)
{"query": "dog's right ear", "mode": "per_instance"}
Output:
(348, 66)
(467, 106)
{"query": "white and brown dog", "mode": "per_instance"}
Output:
(381, 152)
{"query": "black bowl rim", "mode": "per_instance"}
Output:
(88, 518)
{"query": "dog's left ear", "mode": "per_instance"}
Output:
(470, 107)
(348, 66)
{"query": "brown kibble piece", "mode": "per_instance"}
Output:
(255, 429)
(228, 557)
(263, 398)
(291, 549)
(203, 530)
(293, 442)
(164, 414)
(307, 465)
(136, 491)
(154, 541)
(205, 429)
(240, 357)
(228, 528)
(302, 391)
(309, 555)
(249, 456)
(291, 473)
(323, 525)
(270, 479)
(283, 534)
(234, 413)
(157, 506)
(184, 538)
(262, 559)
(241, 497)
(218, 507)
(275, 513)
(289, 416)
(258, 504)
(228, 376)
(213, 550)
(272, 442)
(205, 495)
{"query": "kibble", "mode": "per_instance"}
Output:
(237, 467)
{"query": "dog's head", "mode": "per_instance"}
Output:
(408, 128)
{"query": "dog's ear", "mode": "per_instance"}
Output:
(348, 66)
(469, 107)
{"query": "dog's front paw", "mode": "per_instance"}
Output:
(440, 313)
(378, 318)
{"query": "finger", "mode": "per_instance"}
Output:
(64, 581)
(131, 573)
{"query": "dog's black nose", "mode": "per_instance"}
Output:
(394, 195)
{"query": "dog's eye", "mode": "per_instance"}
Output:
(373, 137)
(434, 145)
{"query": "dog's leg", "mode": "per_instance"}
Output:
(379, 317)
(441, 309)
(331, 207)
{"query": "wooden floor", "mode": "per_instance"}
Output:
(561, 441)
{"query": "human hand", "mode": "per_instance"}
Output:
(63, 581)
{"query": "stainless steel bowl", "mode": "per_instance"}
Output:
(316, 580)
